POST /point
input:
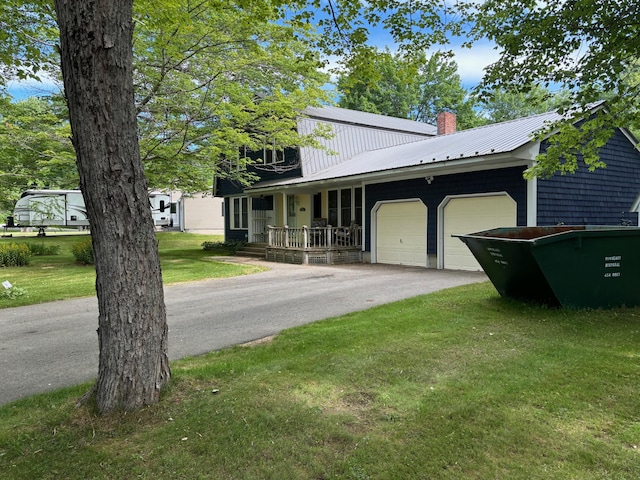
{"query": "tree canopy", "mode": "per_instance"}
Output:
(588, 47)
(35, 150)
(209, 77)
(212, 78)
(416, 88)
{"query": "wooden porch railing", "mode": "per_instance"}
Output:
(315, 237)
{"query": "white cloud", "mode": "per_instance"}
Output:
(472, 62)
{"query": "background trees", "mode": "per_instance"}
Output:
(209, 77)
(589, 47)
(35, 149)
(407, 87)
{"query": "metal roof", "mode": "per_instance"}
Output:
(344, 115)
(489, 140)
(353, 133)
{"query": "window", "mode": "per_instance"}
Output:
(239, 213)
(272, 154)
(239, 163)
(345, 207)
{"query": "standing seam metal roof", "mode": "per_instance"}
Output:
(477, 142)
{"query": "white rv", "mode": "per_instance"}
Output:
(65, 208)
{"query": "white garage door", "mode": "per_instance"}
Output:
(401, 233)
(470, 215)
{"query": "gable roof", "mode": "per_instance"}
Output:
(492, 139)
(353, 133)
(465, 145)
(506, 143)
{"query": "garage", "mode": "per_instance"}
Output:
(401, 233)
(462, 215)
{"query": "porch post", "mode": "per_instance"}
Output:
(250, 219)
(286, 236)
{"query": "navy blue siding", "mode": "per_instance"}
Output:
(602, 197)
(227, 187)
(232, 235)
(508, 180)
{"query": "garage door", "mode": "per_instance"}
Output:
(469, 215)
(401, 233)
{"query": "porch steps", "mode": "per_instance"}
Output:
(254, 250)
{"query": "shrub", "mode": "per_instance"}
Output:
(40, 249)
(231, 246)
(11, 293)
(83, 252)
(14, 255)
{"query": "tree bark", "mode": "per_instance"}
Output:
(96, 53)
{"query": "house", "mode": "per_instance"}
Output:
(197, 213)
(396, 191)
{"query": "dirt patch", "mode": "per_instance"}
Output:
(259, 341)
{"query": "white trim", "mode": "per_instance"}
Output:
(440, 219)
(532, 202)
(232, 212)
(352, 216)
(374, 224)
(448, 167)
(249, 219)
(364, 216)
(636, 206)
(276, 155)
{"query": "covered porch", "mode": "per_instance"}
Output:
(318, 244)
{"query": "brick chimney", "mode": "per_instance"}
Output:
(446, 123)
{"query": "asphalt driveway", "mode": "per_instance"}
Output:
(48, 346)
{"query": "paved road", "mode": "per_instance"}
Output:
(52, 345)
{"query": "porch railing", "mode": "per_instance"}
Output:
(315, 237)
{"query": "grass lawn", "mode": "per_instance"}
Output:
(459, 384)
(59, 277)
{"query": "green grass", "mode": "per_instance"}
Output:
(460, 384)
(58, 277)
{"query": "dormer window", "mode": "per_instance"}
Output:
(272, 154)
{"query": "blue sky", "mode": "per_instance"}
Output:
(471, 63)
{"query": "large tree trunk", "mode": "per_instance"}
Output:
(96, 51)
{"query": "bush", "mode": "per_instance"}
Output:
(40, 249)
(231, 246)
(83, 252)
(14, 255)
(11, 293)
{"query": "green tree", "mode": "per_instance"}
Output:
(440, 89)
(96, 50)
(408, 87)
(585, 46)
(35, 149)
(502, 105)
(213, 76)
(209, 77)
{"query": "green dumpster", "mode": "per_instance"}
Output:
(569, 266)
